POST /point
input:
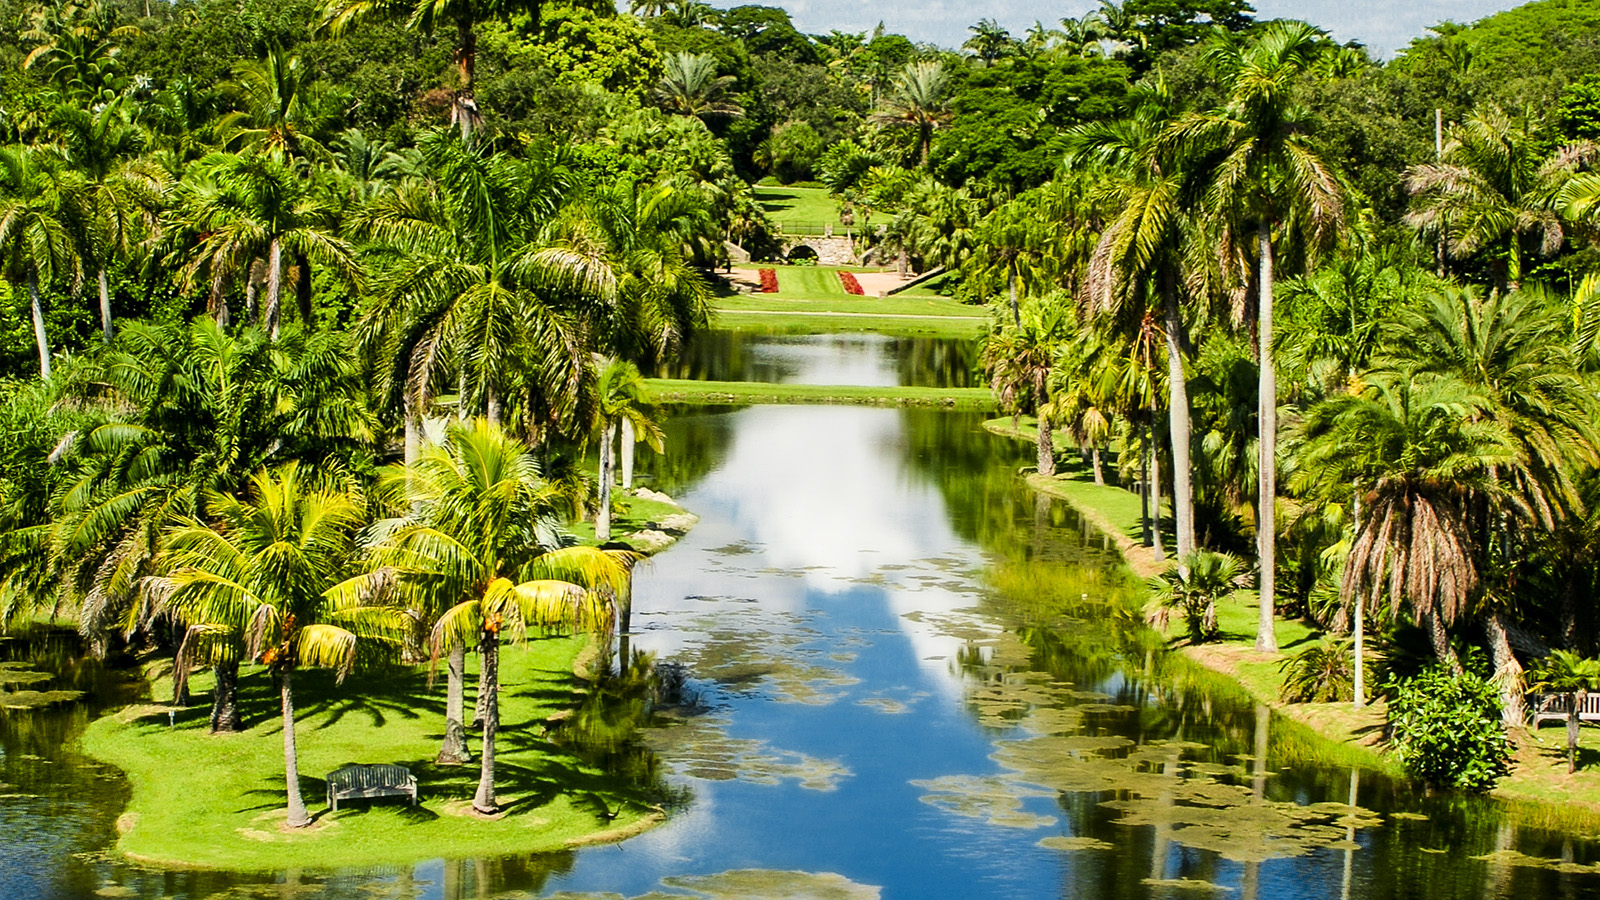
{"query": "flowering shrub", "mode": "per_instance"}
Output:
(769, 281)
(851, 285)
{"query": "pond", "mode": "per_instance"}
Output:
(864, 359)
(905, 678)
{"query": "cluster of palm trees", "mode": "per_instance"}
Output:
(1435, 429)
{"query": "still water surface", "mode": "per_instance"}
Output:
(907, 683)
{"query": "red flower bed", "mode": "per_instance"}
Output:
(851, 285)
(769, 281)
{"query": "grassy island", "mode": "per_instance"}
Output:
(216, 800)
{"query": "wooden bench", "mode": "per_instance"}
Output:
(1556, 706)
(358, 782)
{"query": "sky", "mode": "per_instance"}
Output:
(1383, 25)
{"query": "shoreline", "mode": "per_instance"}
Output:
(1538, 781)
(166, 825)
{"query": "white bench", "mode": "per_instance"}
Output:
(1555, 707)
(358, 782)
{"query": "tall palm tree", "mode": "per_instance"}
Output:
(123, 191)
(277, 108)
(621, 399)
(430, 16)
(41, 200)
(990, 41)
(1015, 238)
(690, 86)
(1018, 360)
(474, 555)
(1264, 174)
(917, 100)
(1495, 189)
(76, 48)
(265, 570)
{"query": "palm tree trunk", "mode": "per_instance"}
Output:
(413, 434)
(1046, 445)
(1267, 416)
(1178, 419)
(1572, 730)
(602, 515)
(36, 307)
(298, 818)
(274, 287)
(489, 656)
(491, 402)
(252, 291)
(225, 698)
(106, 331)
(1360, 690)
(1144, 489)
(219, 300)
(1155, 492)
(454, 751)
(628, 442)
(1507, 671)
(465, 107)
(1016, 313)
(1446, 654)
(1099, 474)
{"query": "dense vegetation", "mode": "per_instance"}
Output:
(255, 250)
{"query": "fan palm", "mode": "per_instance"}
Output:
(473, 557)
(690, 86)
(264, 571)
(1194, 587)
(41, 201)
(1263, 173)
(917, 100)
(1565, 672)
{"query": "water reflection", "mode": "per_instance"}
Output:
(866, 359)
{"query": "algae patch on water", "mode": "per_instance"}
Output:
(740, 884)
(1059, 842)
(700, 747)
(996, 799)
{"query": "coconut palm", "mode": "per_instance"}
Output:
(76, 48)
(278, 109)
(1015, 239)
(917, 100)
(622, 398)
(1264, 174)
(1565, 672)
(1495, 189)
(690, 86)
(474, 556)
(264, 571)
(990, 42)
(41, 202)
(430, 16)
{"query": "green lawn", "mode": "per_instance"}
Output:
(672, 390)
(809, 283)
(930, 316)
(217, 800)
(799, 210)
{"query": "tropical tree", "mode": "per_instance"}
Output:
(1193, 588)
(264, 570)
(1565, 672)
(622, 402)
(990, 42)
(76, 48)
(41, 201)
(917, 100)
(430, 16)
(278, 110)
(1264, 174)
(1018, 361)
(690, 86)
(474, 553)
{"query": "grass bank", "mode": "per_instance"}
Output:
(922, 315)
(1539, 782)
(216, 801)
(676, 390)
(799, 209)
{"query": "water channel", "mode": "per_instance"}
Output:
(909, 679)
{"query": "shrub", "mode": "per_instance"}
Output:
(769, 281)
(1445, 728)
(851, 285)
(1193, 588)
(1321, 673)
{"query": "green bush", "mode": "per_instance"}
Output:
(1445, 728)
(1322, 673)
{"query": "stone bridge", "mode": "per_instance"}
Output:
(828, 249)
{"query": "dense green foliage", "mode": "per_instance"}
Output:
(1446, 729)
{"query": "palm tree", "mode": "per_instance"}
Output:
(473, 556)
(1494, 189)
(1015, 239)
(123, 192)
(429, 16)
(1265, 174)
(990, 42)
(248, 208)
(690, 86)
(623, 401)
(1018, 361)
(265, 570)
(41, 199)
(277, 108)
(917, 100)
(76, 48)
(1194, 587)
(1565, 672)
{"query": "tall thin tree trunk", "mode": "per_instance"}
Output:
(274, 287)
(1434, 624)
(36, 307)
(602, 516)
(1046, 445)
(1574, 714)
(219, 300)
(106, 331)
(1267, 416)
(454, 750)
(1178, 419)
(465, 108)
(225, 698)
(413, 433)
(1507, 671)
(1016, 312)
(1144, 488)
(1360, 651)
(1099, 474)
(628, 442)
(491, 403)
(1155, 491)
(489, 657)
(298, 818)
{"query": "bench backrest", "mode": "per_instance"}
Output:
(374, 776)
